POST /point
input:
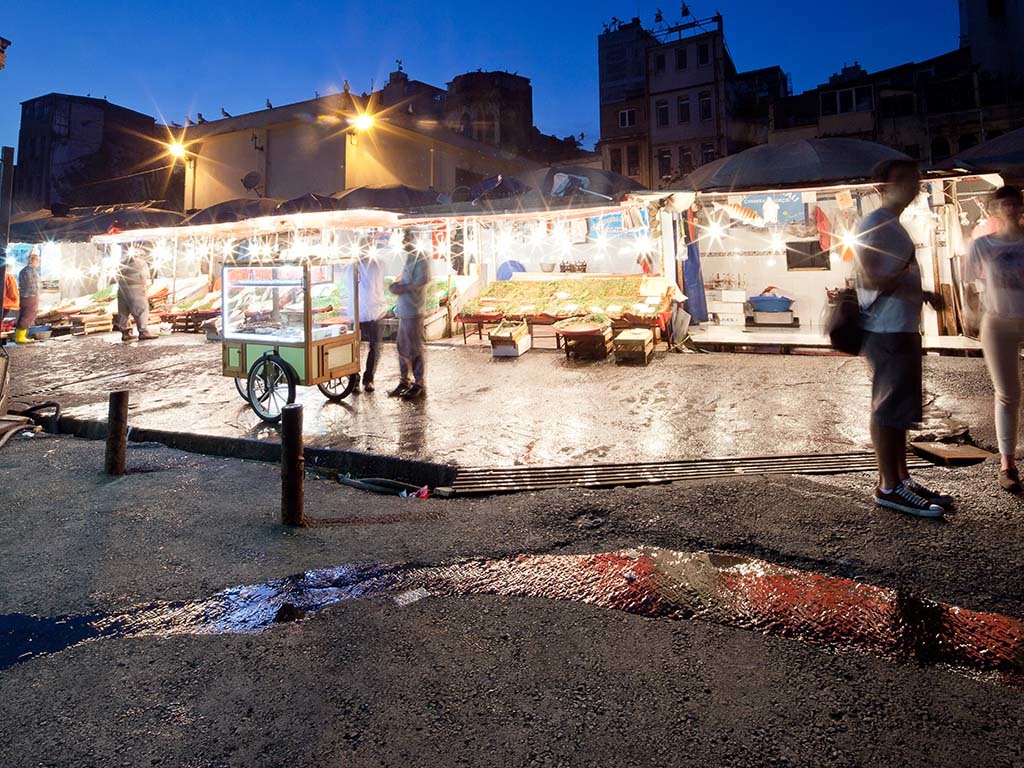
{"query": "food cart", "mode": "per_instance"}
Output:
(286, 326)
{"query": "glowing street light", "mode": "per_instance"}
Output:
(176, 149)
(363, 122)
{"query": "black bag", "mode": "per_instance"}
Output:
(844, 323)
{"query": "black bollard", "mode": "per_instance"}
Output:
(293, 466)
(117, 433)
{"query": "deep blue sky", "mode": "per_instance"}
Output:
(182, 56)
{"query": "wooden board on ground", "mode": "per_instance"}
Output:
(950, 454)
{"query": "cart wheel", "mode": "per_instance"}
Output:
(271, 387)
(339, 389)
(242, 385)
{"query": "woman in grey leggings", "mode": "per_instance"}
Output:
(997, 263)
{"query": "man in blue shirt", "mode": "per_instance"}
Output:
(411, 289)
(891, 298)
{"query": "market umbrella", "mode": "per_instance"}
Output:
(1003, 154)
(802, 162)
(37, 226)
(497, 187)
(239, 209)
(393, 197)
(561, 182)
(308, 203)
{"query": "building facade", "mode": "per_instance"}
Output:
(78, 150)
(672, 100)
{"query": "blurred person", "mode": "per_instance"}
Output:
(995, 269)
(411, 289)
(891, 298)
(28, 292)
(132, 286)
(371, 312)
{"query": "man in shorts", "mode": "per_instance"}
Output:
(891, 298)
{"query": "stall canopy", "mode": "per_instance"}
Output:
(800, 163)
(395, 197)
(1003, 155)
(230, 211)
(82, 223)
(307, 203)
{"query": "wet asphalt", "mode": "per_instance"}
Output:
(483, 679)
(538, 409)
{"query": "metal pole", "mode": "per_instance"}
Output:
(6, 197)
(293, 466)
(117, 433)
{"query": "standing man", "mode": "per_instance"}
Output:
(28, 290)
(132, 286)
(411, 289)
(371, 310)
(891, 298)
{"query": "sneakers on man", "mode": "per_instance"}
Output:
(942, 499)
(903, 499)
(1009, 480)
(415, 392)
(399, 390)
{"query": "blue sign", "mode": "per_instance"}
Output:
(788, 207)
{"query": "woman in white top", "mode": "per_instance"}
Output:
(996, 263)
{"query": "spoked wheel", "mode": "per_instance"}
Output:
(242, 385)
(339, 389)
(271, 387)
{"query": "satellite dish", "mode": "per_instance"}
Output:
(252, 181)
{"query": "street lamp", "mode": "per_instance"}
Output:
(364, 121)
(176, 149)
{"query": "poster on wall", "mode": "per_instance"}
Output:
(631, 223)
(776, 207)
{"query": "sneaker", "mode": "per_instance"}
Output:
(942, 499)
(399, 390)
(415, 392)
(903, 499)
(1009, 480)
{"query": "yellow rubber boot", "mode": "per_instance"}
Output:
(21, 336)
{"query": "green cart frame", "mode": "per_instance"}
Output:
(290, 325)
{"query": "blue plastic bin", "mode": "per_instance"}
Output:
(770, 303)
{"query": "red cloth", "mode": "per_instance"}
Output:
(12, 298)
(824, 230)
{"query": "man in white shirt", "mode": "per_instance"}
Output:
(371, 310)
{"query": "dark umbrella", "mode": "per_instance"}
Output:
(802, 162)
(238, 209)
(1003, 154)
(37, 228)
(497, 187)
(395, 197)
(131, 218)
(562, 182)
(308, 203)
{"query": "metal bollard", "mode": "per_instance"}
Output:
(293, 466)
(117, 433)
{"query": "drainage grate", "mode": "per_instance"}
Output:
(470, 481)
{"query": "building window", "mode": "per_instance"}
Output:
(627, 118)
(681, 58)
(615, 160)
(846, 101)
(633, 160)
(705, 105)
(664, 163)
(703, 55)
(707, 153)
(659, 62)
(661, 112)
(683, 109)
(685, 160)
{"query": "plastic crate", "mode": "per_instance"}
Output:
(770, 303)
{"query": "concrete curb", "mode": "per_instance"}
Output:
(356, 463)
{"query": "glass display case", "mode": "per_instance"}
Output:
(290, 325)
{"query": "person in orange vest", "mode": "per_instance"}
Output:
(12, 298)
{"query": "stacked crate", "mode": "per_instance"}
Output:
(510, 341)
(635, 345)
(728, 306)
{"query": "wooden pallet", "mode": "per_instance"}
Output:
(87, 324)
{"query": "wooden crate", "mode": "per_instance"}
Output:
(86, 324)
(592, 346)
(634, 346)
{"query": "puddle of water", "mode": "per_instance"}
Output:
(658, 583)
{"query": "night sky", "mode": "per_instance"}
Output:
(184, 56)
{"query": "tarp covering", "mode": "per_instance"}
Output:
(803, 162)
(1003, 155)
(82, 223)
(395, 197)
(309, 202)
(238, 209)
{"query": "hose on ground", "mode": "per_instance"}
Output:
(379, 485)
